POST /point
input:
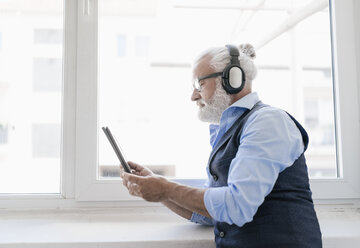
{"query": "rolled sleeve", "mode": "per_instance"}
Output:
(216, 202)
(227, 206)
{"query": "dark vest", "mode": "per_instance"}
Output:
(286, 218)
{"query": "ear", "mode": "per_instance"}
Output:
(235, 77)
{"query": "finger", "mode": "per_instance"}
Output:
(132, 178)
(122, 175)
(135, 166)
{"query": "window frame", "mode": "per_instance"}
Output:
(347, 123)
(80, 187)
(344, 64)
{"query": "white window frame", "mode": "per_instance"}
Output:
(80, 186)
(88, 188)
(346, 106)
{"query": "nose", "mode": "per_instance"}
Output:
(195, 95)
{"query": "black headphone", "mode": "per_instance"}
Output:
(233, 77)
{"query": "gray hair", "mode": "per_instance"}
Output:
(220, 58)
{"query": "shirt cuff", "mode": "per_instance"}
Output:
(200, 219)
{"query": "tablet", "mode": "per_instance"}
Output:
(117, 149)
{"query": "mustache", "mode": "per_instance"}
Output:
(201, 102)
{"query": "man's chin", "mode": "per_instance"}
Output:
(207, 117)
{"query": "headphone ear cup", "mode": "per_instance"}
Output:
(233, 79)
(225, 80)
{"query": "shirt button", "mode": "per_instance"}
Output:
(215, 177)
(222, 234)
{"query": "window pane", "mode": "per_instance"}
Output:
(47, 74)
(121, 40)
(145, 95)
(48, 36)
(30, 95)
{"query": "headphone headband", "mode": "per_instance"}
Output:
(234, 53)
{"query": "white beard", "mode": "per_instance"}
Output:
(212, 110)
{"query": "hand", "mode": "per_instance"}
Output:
(140, 170)
(143, 183)
(136, 169)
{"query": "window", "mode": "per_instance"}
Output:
(127, 65)
(121, 45)
(42, 146)
(297, 58)
(157, 127)
(4, 133)
(48, 36)
(30, 96)
(47, 75)
(142, 46)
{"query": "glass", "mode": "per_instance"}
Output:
(30, 95)
(197, 81)
(161, 129)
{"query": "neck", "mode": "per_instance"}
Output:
(240, 95)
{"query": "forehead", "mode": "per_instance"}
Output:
(203, 67)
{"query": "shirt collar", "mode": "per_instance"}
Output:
(248, 101)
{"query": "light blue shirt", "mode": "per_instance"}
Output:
(270, 142)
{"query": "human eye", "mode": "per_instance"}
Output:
(196, 84)
(201, 83)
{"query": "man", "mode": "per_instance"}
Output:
(257, 194)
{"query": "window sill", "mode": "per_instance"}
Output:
(154, 227)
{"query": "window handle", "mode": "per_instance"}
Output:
(86, 9)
